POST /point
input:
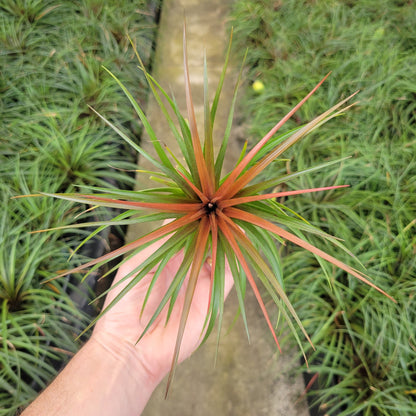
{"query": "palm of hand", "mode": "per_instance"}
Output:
(125, 322)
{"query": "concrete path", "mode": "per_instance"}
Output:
(247, 379)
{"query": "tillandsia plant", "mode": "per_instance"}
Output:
(226, 218)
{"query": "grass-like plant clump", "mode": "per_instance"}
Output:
(51, 57)
(365, 359)
(227, 218)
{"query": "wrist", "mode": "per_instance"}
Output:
(127, 370)
(104, 378)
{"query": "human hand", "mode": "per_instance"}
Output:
(123, 323)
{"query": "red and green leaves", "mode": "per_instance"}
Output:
(227, 220)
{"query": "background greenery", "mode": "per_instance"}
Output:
(366, 345)
(51, 57)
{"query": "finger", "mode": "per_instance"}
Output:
(128, 267)
(131, 264)
(228, 280)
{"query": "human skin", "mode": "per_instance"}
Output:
(114, 375)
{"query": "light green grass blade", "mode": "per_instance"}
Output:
(222, 150)
(239, 280)
(271, 183)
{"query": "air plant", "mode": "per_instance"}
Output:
(227, 218)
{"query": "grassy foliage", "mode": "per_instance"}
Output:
(51, 57)
(366, 346)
